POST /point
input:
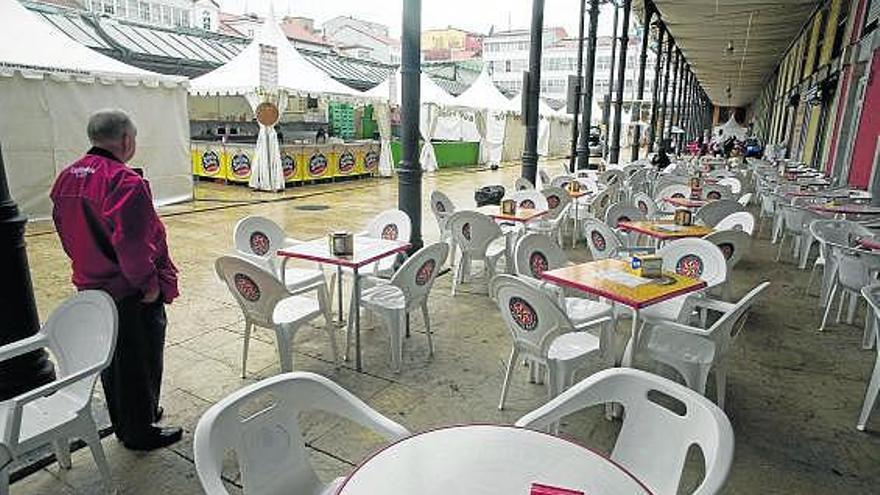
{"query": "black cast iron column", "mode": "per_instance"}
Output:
(606, 102)
(20, 320)
(685, 101)
(621, 84)
(530, 150)
(578, 88)
(640, 83)
(676, 74)
(655, 99)
(663, 109)
(583, 148)
(409, 172)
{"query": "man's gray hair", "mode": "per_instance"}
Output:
(109, 126)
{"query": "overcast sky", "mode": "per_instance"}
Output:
(473, 15)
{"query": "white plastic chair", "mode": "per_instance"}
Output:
(732, 183)
(266, 303)
(694, 351)
(745, 199)
(407, 290)
(740, 220)
(257, 239)
(622, 212)
(480, 239)
(733, 245)
(872, 296)
(545, 178)
(654, 440)
(828, 233)
(267, 439)
(522, 184)
(604, 242)
(856, 269)
(796, 222)
(670, 191)
(645, 204)
(714, 211)
(530, 198)
(543, 334)
(535, 254)
(81, 335)
(442, 207)
(692, 257)
(558, 202)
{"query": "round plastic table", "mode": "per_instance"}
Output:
(487, 460)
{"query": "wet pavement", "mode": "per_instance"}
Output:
(793, 393)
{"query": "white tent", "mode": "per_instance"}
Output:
(482, 94)
(730, 129)
(49, 84)
(433, 98)
(491, 118)
(268, 69)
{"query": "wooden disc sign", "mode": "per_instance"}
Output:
(267, 113)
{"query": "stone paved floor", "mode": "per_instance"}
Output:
(793, 397)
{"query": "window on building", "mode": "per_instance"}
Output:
(144, 11)
(121, 8)
(185, 18)
(109, 7)
(491, 67)
(132, 9)
(840, 33)
(166, 15)
(206, 20)
(507, 66)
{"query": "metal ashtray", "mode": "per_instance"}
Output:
(664, 280)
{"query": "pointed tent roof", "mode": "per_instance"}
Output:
(482, 93)
(295, 74)
(544, 109)
(429, 90)
(33, 47)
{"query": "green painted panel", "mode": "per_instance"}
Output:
(449, 154)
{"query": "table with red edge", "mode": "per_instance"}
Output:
(686, 202)
(594, 278)
(869, 243)
(487, 460)
(665, 231)
(367, 250)
(850, 209)
(521, 216)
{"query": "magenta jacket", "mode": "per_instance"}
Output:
(105, 217)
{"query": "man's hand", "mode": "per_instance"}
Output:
(151, 297)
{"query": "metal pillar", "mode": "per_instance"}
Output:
(640, 83)
(20, 320)
(578, 89)
(621, 83)
(583, 148)
(606, 103)
(530, 150)
(674, 96)
(680, 103)
(655, 100)
(663, 109)
(409, 172)
(685, 111)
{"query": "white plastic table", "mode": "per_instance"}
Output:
(487, 460)
(366, 250)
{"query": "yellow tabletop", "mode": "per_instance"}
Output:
(612, 279)
(666, 230)
(523, 215)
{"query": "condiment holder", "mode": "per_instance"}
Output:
(341, 243)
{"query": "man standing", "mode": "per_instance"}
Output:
(104, 214)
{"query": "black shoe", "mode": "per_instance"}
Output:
(160, 411)
(157, 438)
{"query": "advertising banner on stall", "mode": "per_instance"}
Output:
(347, 160)
(208, 161)
(240, 162)
(317, 164)
(292, 163)
(371, 159)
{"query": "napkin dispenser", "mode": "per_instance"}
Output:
(696, 188)
(341, 243)
(683, 217)
(508, 207)
(648, 266)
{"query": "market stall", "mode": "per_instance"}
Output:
(270, 81)
(490, 111)
(48, 88)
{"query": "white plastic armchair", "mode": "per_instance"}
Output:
(740, 220)
(713, 212)
(81, 335)
(480, 239)
(407, 290)
(872, 296)
(393, 225)
(257, 239)
(604, 242)
(268, 444)
(653, 442)
(442, 207)
(522, 184)
(645, 204)
(542, 334)
(693, 351)
(266, 303)
(733, 245)
(558, 202)
(530, 198)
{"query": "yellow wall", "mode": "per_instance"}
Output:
(830, 32)
(812, 130)
(443, 39)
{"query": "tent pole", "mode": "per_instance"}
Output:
(530, 150)
(31, 370)
(621, 82)
(409, 172)
(583, 147)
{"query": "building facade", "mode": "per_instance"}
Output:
(451, 44)
(362, 39)
(202, 14)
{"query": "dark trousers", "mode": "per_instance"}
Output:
(133, 380)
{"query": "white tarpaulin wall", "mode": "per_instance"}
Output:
(50, 85)
(514, 138)
(730, 129)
